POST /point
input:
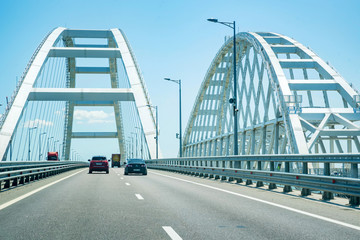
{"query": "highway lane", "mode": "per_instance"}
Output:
(114, 206)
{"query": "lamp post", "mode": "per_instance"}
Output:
(180, 131)
(232, 100)
(40, 154)
(60, 146)
(141, 142)
(128, 148)
(30, 140)
(157, 129)
(136, 144)
(48, 145)
(55, 145)
(131, 146)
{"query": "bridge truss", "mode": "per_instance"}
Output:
(47, 96)
(289, 101)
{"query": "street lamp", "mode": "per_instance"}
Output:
(60, 148)
(180, 135)
(233, 100)
(40, 154)
(55, 145)
(48, 146)
(29, 141)
(132, 146)
(157, 129)
(141, 141)
(136, 145)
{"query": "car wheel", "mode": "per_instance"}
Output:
(90, 171)
(107, 172)
(126, 173)
(144, 173)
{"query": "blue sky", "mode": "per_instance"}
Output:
(173, 39)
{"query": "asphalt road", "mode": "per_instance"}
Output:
(165, 205)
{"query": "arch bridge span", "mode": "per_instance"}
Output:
(61, 79)
(289, 101)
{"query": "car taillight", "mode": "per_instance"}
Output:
(129, 165)
(142, 165)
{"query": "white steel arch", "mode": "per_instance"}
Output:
(117, 47)
(289, 101)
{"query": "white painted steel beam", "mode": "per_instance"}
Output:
(84, 33)
(313, 85)
(94, 135)
(284, 48)
(139, 89)
(94, 103)
(73, 52)
(92, 70)
(297, 63)
(91, 46)
(80, 94)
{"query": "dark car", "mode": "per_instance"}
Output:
(135, 166)
(99, 163)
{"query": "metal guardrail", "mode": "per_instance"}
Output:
(25, 173)
(231, 168)
(11, 166)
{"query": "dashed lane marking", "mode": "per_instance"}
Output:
(139, 196)
(127, 184)
(171, 232)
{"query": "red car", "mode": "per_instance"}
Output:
(99, 163)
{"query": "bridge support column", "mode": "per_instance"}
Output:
(327, 195)
(305, 170)
(259, 184)
(238, 180)
(287, 188)
(354, 201)
(305, 192)
(272, 168)
(272, 186)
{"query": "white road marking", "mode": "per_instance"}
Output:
(7, 204)
(269, 203)
(139, 196)
(127, 184)
(171, 232)
(121, 178)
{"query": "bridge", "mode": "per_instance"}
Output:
(296, 125)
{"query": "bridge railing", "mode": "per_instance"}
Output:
(252, 168)
(13, 174)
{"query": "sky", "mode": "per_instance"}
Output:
(173, 39)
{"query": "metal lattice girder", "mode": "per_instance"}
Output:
(289, 101)
(117, 48)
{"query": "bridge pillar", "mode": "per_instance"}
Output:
(354, 201)
(327, 195)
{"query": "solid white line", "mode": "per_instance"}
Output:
(7, 204)
(171, 232)
(269, 203)
(139, 196)
(127, 184)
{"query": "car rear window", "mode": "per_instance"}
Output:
(138, 161)
(99, 158)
